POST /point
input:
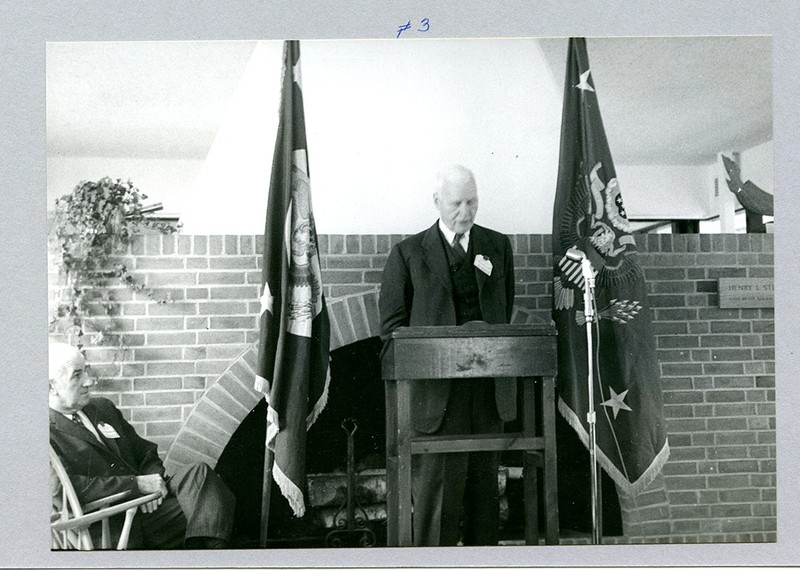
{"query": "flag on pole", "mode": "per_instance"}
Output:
(589, 215)
(294, 337)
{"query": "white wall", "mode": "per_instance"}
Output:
(757, 166)
(162, 180)
(665, 191)
(380, 121)
(379, 125)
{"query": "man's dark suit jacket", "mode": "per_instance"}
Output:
(98, 470)
(417, 290)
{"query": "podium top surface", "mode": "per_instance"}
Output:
(473, 329)
(475, 350)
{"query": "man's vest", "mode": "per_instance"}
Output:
(465, 285)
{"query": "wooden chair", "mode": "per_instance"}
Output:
(70, 521)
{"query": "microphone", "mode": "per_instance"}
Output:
(588, 273)
(580, 256)
(575, 254)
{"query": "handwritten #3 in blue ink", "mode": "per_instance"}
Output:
(425, 24)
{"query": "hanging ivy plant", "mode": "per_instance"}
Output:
(93, 226)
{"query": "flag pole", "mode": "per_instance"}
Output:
(266, 492)
(591, 416)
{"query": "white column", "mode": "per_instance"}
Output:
(726, 202)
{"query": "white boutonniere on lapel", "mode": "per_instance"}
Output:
(107, 430)
(483, 263)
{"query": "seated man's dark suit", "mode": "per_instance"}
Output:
(425, 285)
(198, 505)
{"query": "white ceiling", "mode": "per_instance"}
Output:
(663, 100)
(139, 99)
(679, 100)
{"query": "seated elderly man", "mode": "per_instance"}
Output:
(103, 455)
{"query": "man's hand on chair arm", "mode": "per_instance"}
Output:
(153, 483)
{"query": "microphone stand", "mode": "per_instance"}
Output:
(588, 311)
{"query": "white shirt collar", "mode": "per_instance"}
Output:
(449, 235)
(68, 415)
(86, 422)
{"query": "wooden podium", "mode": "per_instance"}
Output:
(470, 351)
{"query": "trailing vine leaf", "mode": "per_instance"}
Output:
(93, 225)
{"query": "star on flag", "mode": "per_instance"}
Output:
(583, 84)
(296, 77)
(616, 402)
(266, 299)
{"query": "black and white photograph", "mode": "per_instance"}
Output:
(416, 298)
(612, 199)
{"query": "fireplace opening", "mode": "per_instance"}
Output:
(356, 391)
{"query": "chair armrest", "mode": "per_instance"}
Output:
(105, 501)
(86, 520)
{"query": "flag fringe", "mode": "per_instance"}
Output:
(289, 490)
(629, 488)
(651, 472)
(322, 401)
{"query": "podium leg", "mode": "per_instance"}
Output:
(403, 466)
(392, 504)
(550, 460)
(392, 480)
(398, 463)
(531, 498)
(529, 473)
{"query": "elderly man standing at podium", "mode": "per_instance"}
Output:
(452, 273)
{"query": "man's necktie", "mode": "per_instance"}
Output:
(458, 249)
(76, 419)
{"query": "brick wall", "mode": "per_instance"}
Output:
(718, 376)
(717, 366)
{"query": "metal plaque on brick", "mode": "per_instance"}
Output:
(746, 292)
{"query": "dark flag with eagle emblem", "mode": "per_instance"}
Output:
(295, 332)
(588, 215)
